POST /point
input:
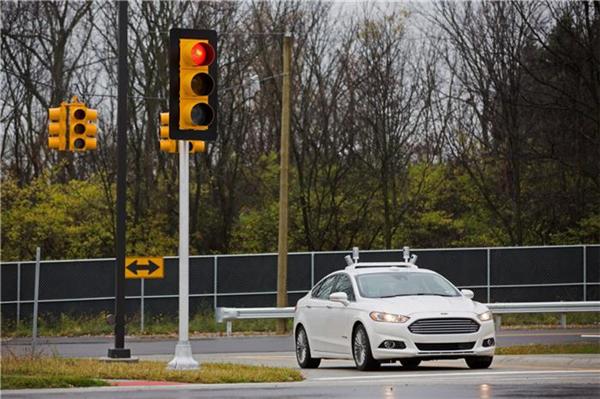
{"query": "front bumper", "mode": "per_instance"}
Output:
(381, 331)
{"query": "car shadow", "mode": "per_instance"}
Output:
(398, 368)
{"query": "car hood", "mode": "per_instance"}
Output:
(408, 305)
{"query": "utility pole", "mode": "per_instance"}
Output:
(119, 351)
(283, 181)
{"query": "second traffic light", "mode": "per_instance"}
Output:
(193, 101)
(72, 127)
(168, 145)
(82, 127)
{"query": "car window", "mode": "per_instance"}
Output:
(316, 288)
(378, 285)
(345, 285)
(326, 288)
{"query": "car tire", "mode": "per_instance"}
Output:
(303, 357)
(479, 362)
(410, 364)
(361, 350)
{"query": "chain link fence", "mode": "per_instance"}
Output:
(499, 274)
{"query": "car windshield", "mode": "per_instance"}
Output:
(393, 284)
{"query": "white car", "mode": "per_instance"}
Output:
(385, 312)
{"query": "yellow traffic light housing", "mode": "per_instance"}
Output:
(72, 127)
(57, 128)
(82, 127)
(196, 84)
(193, 85)
(197, 146)
(168, 145)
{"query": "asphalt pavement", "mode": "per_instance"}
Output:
(538, 376)
(98, 346)
(422, 383)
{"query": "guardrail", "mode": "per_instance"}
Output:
(230, 314)
(227, 315)
(498, 309)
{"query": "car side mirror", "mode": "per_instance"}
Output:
(340, 297)
(467, 293)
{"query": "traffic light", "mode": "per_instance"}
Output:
(82, 127)
(168, 145)
(193, 101)
(57, 128)
(197, 146)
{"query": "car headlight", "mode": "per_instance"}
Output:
(485, 316)
(388, 317)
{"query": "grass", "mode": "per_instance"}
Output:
(536, 349)
(204, 322)
(54, 372)
(39, 381)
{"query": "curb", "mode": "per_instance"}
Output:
(142, 383)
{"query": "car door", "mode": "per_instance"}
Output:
(306, 308)
(318, 322)
(338, 316)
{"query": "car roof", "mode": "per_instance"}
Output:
(384, 267)
(378, 267)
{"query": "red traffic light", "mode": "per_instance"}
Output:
(202, 54)
(193, 89)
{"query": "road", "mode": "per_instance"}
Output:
(395, 383)
(555, 376)
(98, 346)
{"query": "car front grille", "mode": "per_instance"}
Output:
(444, 326)
(446, 346)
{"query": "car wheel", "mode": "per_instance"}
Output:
(361, 350)
(410, 364)
(479, 362)
(303, 357)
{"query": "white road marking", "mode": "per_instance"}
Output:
(462, 374)
(590, 336)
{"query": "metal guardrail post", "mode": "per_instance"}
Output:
(584, 273)
(36, 295)
(488, 275)
(142, 304)
(498, 322)
(215, 271)
(18, 295)
(229, 327)
(563, 320)
(312, 269)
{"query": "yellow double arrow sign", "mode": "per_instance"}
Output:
(144, 267)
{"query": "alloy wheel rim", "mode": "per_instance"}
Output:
(359, 347)
(301, 346)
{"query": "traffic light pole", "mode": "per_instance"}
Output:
(119, 351)
(183, 359)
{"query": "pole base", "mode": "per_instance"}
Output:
(119, 353)
(183, 359)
